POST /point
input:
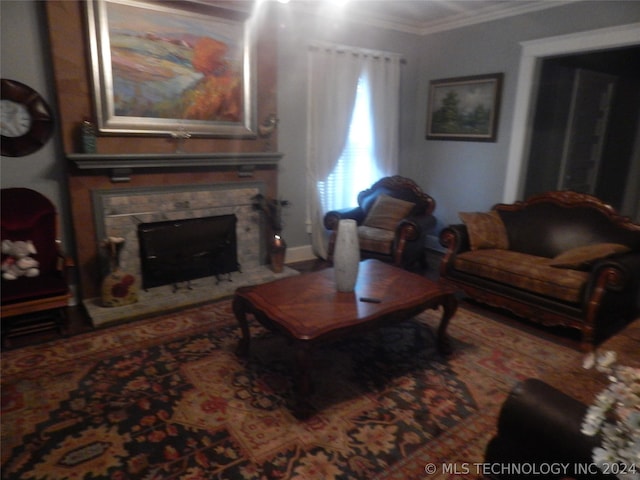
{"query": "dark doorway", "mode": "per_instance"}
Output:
(565, 148)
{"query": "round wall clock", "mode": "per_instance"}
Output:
(26, 121)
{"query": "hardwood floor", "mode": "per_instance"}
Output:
(78, 321)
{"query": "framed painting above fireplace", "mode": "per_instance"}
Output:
(181, 69)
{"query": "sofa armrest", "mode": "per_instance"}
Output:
(613, 287)
(616, 273)
(408, 246)
(455, 238)
(332, 218)
(413, 228)
(538, 424)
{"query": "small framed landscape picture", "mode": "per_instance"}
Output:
(464, 108)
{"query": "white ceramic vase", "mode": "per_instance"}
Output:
(346, 256)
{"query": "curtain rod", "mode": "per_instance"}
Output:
(357, 51)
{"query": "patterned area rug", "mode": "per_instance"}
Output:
(168, 398)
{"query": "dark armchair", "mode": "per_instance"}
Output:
(540, 426)
(393, 217)
(36, 299)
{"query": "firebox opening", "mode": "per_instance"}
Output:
(176, 251)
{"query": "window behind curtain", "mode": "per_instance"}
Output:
(356, 169)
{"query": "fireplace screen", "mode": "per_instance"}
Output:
(176, 251)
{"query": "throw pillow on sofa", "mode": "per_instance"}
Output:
(583, 257)
(486, 230)
(387, 212)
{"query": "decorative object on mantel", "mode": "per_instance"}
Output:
(615, 416)
(181, 136)
(118, 287)
(88, 136)
(346, 256)
(266, 128)
(272, 210)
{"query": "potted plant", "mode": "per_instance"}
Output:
(271, 208)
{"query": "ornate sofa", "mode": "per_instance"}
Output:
(393, 217)
(558, 258)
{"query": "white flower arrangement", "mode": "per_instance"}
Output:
(615, 415)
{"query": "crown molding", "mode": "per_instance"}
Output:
(450, 22)
(491, 14)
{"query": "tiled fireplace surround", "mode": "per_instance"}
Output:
(118, 213)
(116, 209)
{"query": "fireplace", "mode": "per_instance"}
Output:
(177, 251)
(121, 212)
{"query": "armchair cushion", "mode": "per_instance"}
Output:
(582, 257)
(375, 239)
(486, 230)
(527, 272)
(387, 212)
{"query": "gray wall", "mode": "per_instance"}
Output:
(24, 58)
(470, 176)
(461, 176)
(296, 33)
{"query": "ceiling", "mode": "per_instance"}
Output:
(423, 17)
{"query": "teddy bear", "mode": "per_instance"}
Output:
(19, 263)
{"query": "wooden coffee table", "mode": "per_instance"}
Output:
(309, 310)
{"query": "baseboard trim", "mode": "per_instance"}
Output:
(305, 253)
(299, 254)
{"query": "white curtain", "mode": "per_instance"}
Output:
(334, 72)
(383, 73)
(333, 81)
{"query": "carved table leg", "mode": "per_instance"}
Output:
(240, 311)
(302, 380)
(450, 305)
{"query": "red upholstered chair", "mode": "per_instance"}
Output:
(38, 302)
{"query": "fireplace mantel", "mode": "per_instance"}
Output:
(121, 165)
(172, 160)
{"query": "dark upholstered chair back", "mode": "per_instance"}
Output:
(30, 303)
(401, 188)
(28, 215)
